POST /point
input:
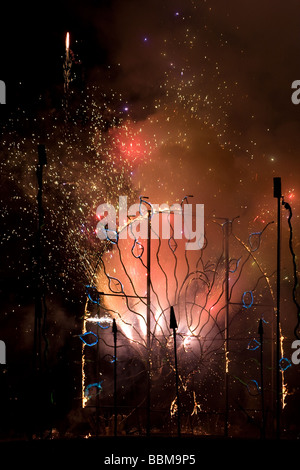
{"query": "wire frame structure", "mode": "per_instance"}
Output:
(220, 294)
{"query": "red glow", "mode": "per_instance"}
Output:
(292, 195)
(130, 143)
(131, 149)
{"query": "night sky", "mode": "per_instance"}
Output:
(166, 99)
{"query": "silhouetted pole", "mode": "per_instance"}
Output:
(261, 338)
(39, 391)
(115, 330)
(38, 254)
(277, 195)
(226, 253)
(173, 326)
(148, 404)
(97, 380)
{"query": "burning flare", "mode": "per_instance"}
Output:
(67, 42)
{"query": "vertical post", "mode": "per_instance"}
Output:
(38, 280)
(148, 405)
(277, 195)
(262, 390)
(2, 92)
(38, 274)
(226, 248)
(114, 329)
(97, 380)
(173, 326)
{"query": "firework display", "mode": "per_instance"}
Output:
(195, 286)
(131, 332)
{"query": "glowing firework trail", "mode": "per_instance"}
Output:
(67, 45)
(67, 65)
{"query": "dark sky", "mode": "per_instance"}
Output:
(261, 54)
(241, 59)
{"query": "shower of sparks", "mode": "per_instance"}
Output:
(184, 144)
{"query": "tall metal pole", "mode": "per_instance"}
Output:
(38, 274)
(226, 248)
(97, 380)
(262, 390)
(114, 329)
(173, 326)
(148, 405)
(38, 280)
(277, 194)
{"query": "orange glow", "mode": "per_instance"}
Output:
(67, 41)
